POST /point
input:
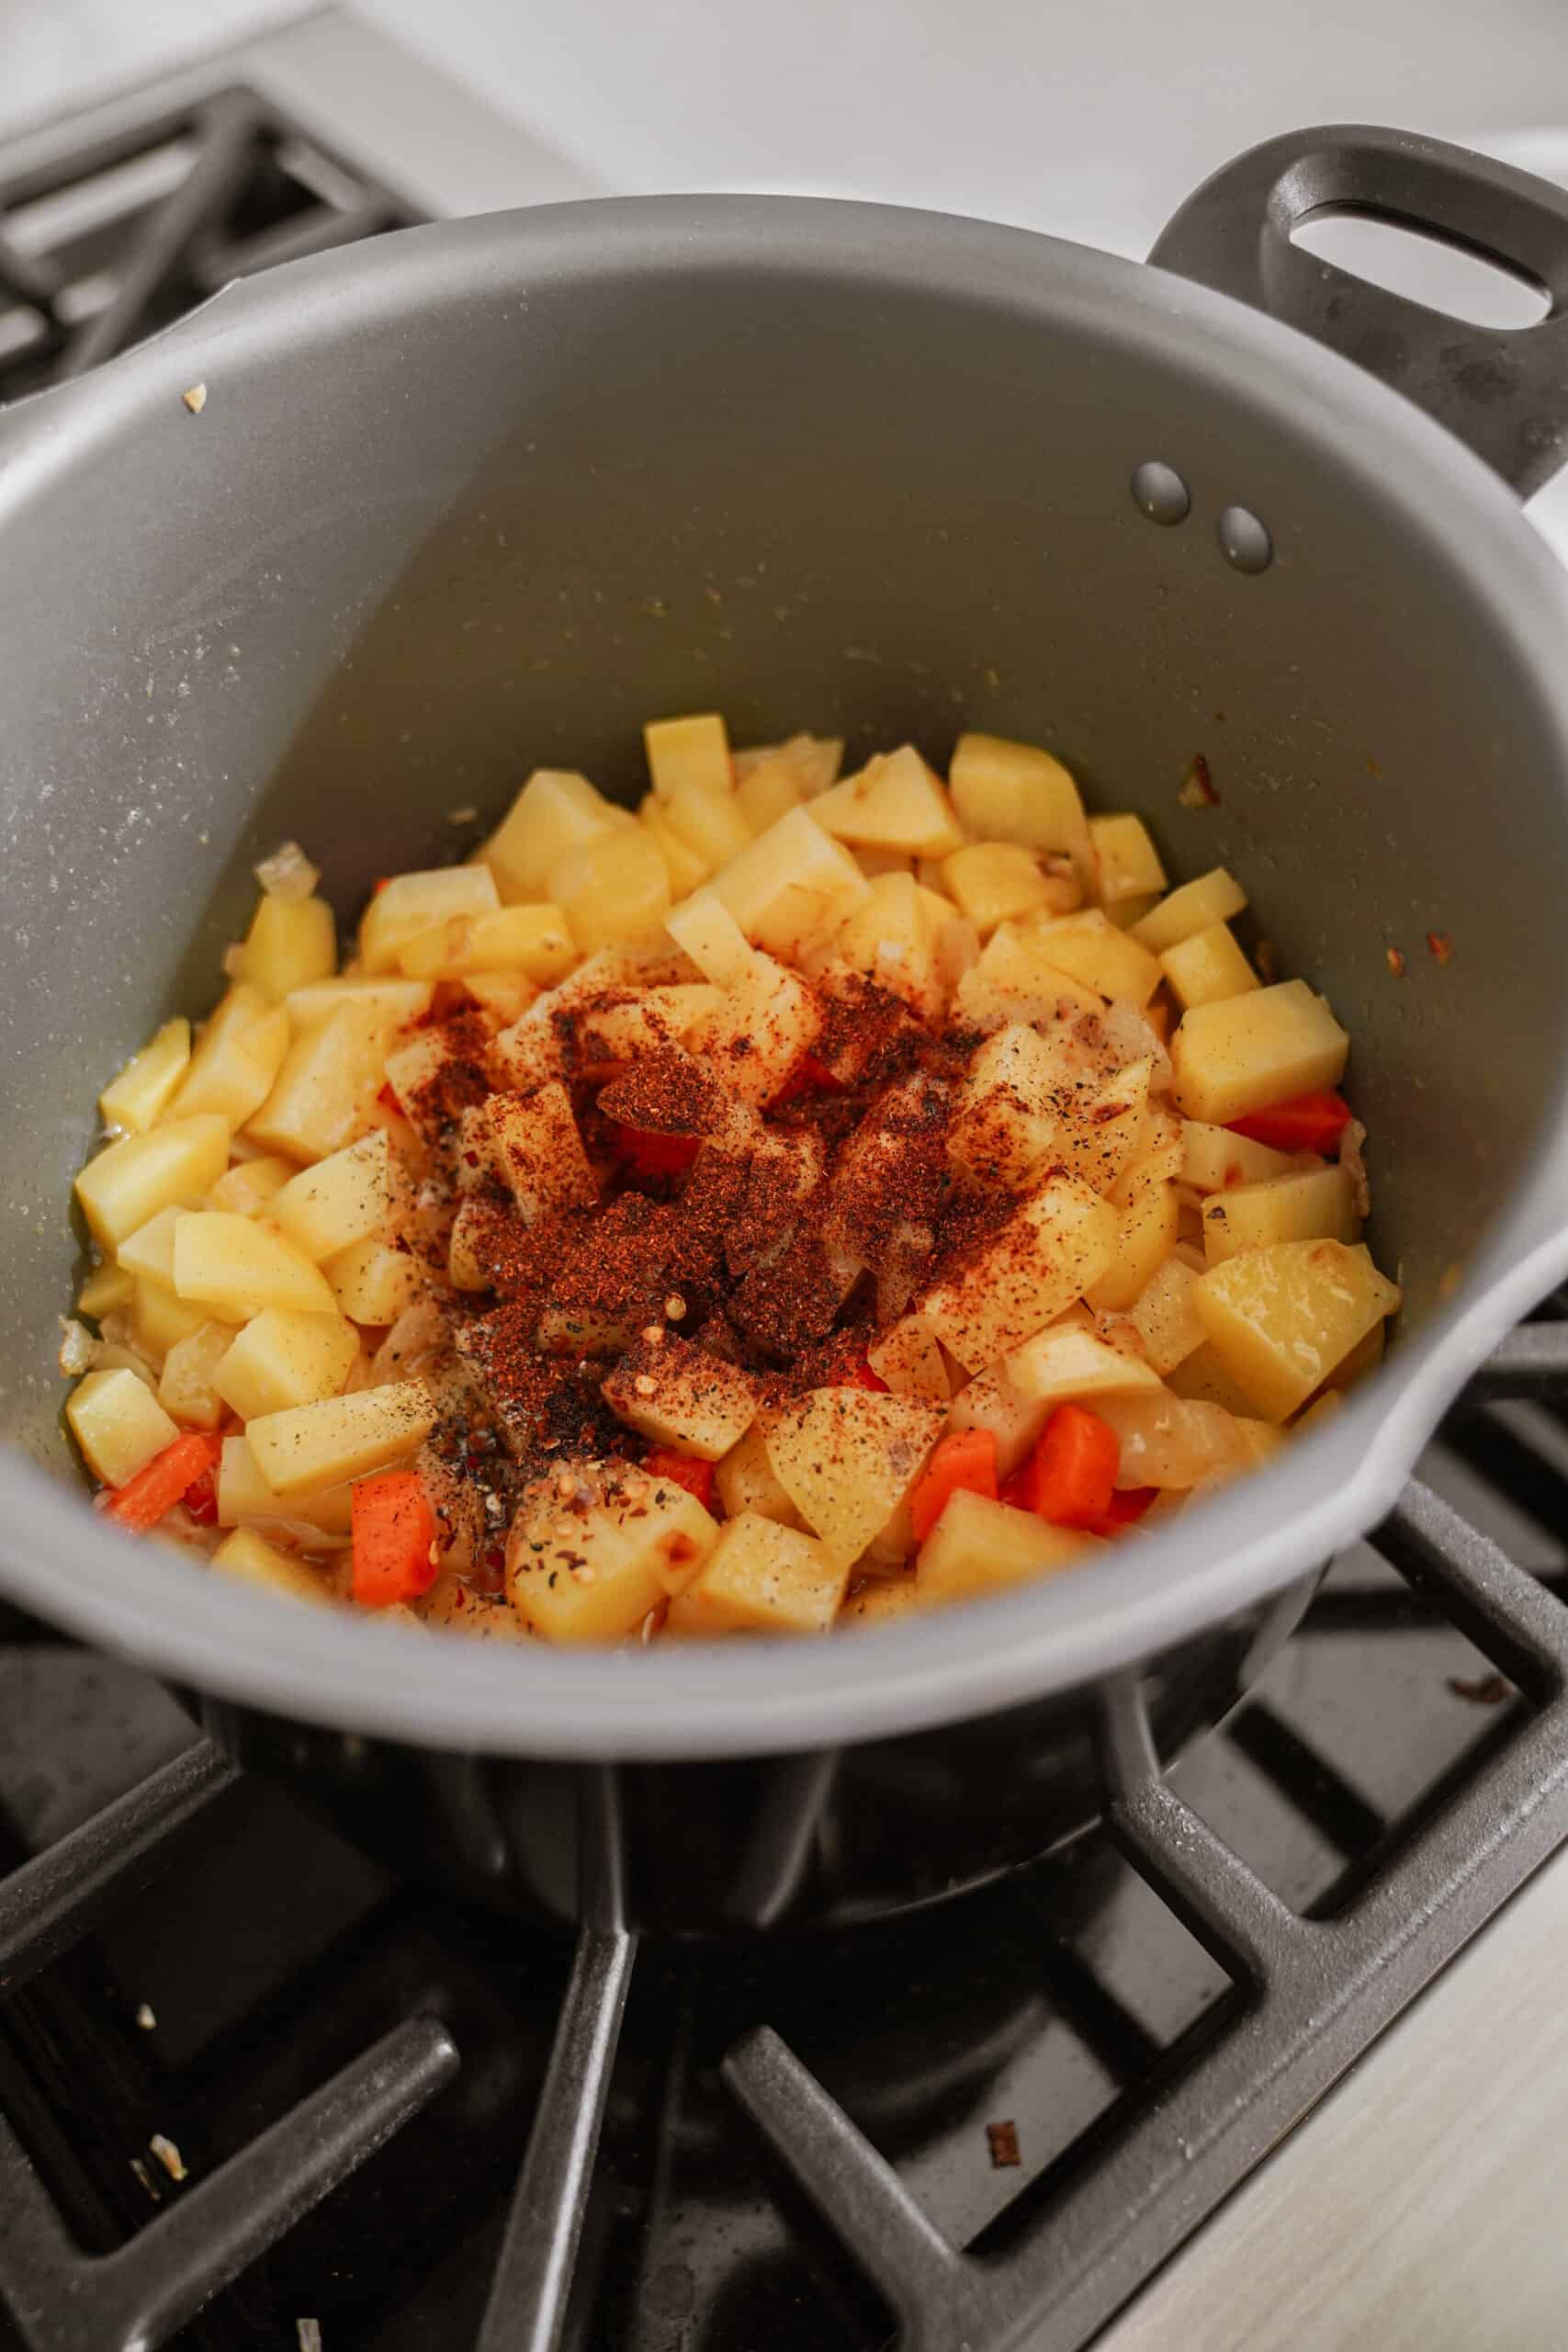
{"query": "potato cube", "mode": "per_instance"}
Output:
(814, 759)
(583, 1576)
(1247, 1052)
(1195, 906)
(103, 1290)
(678, 1396)
(1014, 980)
(792, 888)
(1127, 862)
(249, 1185)
(186, 1388)
(392, 1001)
(341, 1437)
(128, 1182)
(613, 889)
(1213, 1157)
(531, 1144)
(1146, 1235)
(159, 1319)
(847, 1457)
(759, 1031)
(1165, 1318)
(883, 1603)
(1156, 1159)
(994, 882)
(373, 1281)
(685, 869)
(747, 1480)
(239, 1266)
(668, 1528)
(239, 1056)
(906, 1355)
(348, 1196)
(290, 942)
(760, 1578)
(1100, 1134)
(150, 1248)
(325, 1092)
(623, 1033)
(1064, 1362)
(408, 904)
(282, 1358)
(1317, 1204)
(894, 802)
(767, 792)
(888, 939)
(1015, 792)
(1055, 1245)
(710, 823)
(244, 1494)
(1200, 1378)
(1281, 1319)
(119, 1424)
(1092, 950)
(704, 928)
(533, 939)
(979, 1546)
(142, 1092)
(688, 750)
(502, 997)
(555, 811)
(1001, 1131)
(990, 1401)
(1208, 967)
(251, 1558)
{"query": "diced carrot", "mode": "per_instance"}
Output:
(648, 1153)
(152, 1495)
(1307, 1122)
(1128, 1505)
(682, 1470)
(967, 1461)
(1072, 1470)
(394, 1539)
(201, 1499)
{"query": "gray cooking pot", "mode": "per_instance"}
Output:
(482, 496)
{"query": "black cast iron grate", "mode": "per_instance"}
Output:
(1311, 1990)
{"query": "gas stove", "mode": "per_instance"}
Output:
(256, 2094)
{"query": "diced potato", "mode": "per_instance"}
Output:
(1317, 1205)
(502, 998)
(1281, 1319)
(621, 1033)
(990, 1401)
(119, 1424)
(238, 1056)
(1127, 862)
(394, 1001)
(883, 1603)
(1066, 1364)
(1092, 950)
(1015, 792)
(1207, 968)
(341, 1437)
(254, 1560)
(1146, 1235)
(1014, 980)
(1054, 1246)
(186, 1388)
(409, 904)
(326, 1092)
(612, 891)
(282, 1358)
(1363, 1359)
(1169, 1441)
(531, 1144)
(711, 824)
(704, 928)
(160, 1318)
(669, 1528)
(993, 882)
(1001, 1131)
(1194, 906)
(469, 1246)
(1247, 1052)
(103, 1290)
(792, 888)
(814, 760)
(888, 939)
(847, 1457)
(245, 1495)
(150, 1248)
(906, 1355)
(533, 939)
(763, 1578)
(249, 1185)
(1156, 1159)
(767, 792)
(747, 1480)
(130, 1181)
(1101, 1134)
(1128, 913)
(773, 1016)
(1202, 1378)
(1213, 1157)
(678, 1396)
(240, 1267)
(454, 1607)
(290, 942)
(348, 1196)
(1262, 1440)
(688, 750)
(894, 802)
(373, 1281)
(582, 1577)
(979, 1546)
(1165, 1318)
(140, 1095)
(686, 870)
(555, 811)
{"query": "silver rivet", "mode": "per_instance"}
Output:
(1160, 492)
(1243, 540)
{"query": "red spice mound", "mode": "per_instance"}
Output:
(667, 1092)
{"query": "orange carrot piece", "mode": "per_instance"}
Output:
(1072, 1470)
(966, 1460)
(394, 1539)
(152, 1495)
(680, 1470)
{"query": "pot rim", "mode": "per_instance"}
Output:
(698, 1700)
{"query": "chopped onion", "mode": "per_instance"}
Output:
(78, 1349)
(1132, 1039)
(288, 873)
(1172, 1440)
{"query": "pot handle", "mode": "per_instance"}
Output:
(1504, 392)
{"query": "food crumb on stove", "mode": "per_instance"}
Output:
(145, 2178)
(309, 2331)
(1480, 1689)
(1441, 945)
(145, 2016)
(1198, 790)
(195, 399)
(1396, 962)
(1267, 961)
(466, 815)
(1002, 2138)
(168, 2155)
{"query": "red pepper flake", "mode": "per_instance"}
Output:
(1441, 945)
(1002, 2140)
(1395, 962)
(1197, 790)
(201, 1499)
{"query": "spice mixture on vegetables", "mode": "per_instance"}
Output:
(798, 1203)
